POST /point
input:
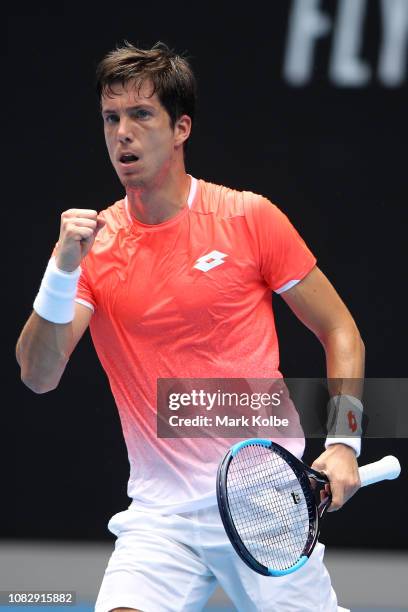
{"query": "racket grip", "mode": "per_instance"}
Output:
(386, 468)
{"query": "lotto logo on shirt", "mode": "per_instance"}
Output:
(210, 261)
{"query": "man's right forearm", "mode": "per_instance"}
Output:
(42, 352)
(47, 341)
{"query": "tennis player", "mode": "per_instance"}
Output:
(175, 280)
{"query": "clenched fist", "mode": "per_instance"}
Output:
(78, 231)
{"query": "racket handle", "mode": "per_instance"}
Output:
(386, 468)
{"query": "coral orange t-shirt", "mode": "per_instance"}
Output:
(187, 298)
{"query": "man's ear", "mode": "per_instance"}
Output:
(182, 130)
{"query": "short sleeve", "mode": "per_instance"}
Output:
(85, 294)
(284, 257)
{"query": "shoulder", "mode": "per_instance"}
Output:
(116, 220)
(223, 201)
(115, 215)
(110, 237)
(226, 201)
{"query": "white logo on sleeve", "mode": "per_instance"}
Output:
(210, 261)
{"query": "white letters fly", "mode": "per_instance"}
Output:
(309, 22)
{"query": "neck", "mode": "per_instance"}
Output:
(161, 200)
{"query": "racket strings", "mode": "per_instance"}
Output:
(268, 507)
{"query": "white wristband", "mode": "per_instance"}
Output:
(344, 423)
(354, 443)
(55, 300)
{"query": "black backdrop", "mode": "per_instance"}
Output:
(332, 155)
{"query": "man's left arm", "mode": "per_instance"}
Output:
(317, 305)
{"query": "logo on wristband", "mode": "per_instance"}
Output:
(352, 421)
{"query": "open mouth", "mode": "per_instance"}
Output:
(128, 158)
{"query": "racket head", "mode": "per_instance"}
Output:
(268, 506)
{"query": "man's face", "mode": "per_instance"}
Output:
(141, 142)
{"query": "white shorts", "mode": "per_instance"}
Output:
(173, 564)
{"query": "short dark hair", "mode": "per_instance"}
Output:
(171, 75)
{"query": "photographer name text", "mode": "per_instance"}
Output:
(226, 421)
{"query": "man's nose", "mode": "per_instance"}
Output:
(125, 130)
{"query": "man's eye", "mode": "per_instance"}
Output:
(142, 113)
(111, 118)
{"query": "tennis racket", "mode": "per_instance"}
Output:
(270, 504)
